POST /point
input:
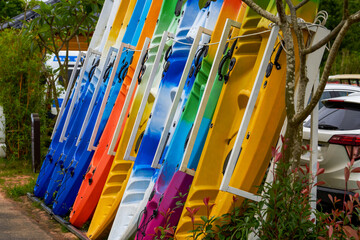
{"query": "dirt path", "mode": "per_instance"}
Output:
(23, 220)
(15, 225)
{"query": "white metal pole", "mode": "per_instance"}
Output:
(77, 90)
(314, 152)
(171, 114)
(106, 95)
(95, 94)
(68, 91)
(246, 119)
(128, 97)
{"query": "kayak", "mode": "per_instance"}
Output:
(111, 195)
(73, 174)
(99, 167)
(69, 147)
(135, 196)
(228, 114)
(172, 185)
(265, 124)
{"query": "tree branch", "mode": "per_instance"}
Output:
(300, 117)
(281, 12)
(290, 60)
(325, 40)
(291, 6)
(290, 72)
(78, 26)
(78, 42)
(261, 11)
(346, 10)
(301, 4)
(42, 42)
(354, 18)
(301, 45)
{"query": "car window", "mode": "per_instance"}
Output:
(325, 95)
(331, 94)
(342, 93)
(337, 119)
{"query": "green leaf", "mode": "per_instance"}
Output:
(204, 219)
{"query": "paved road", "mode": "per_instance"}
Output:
(16, 226)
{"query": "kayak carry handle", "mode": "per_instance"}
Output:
(106, 95)
(127, 99)
(206, 94)
(143, 103)
(171, 114)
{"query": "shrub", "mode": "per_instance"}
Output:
(284, 211)
(22, 91)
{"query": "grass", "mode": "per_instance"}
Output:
(36, 205)
(9, 171)
(86, 226)
(64, 229)
(10, 168)
(18, 190)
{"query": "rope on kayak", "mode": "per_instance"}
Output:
(149, 48)
(202, 44)
(229, 39)
(318, 22)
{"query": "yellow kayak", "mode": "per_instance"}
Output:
(117, 30)
(264, 126)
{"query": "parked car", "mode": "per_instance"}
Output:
(339, 142)
(333, 90)
(337, 90)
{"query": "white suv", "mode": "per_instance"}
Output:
(339, 142)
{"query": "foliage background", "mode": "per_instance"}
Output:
(24, 77)
(22, 92)
(348, 58)
(10, 8)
